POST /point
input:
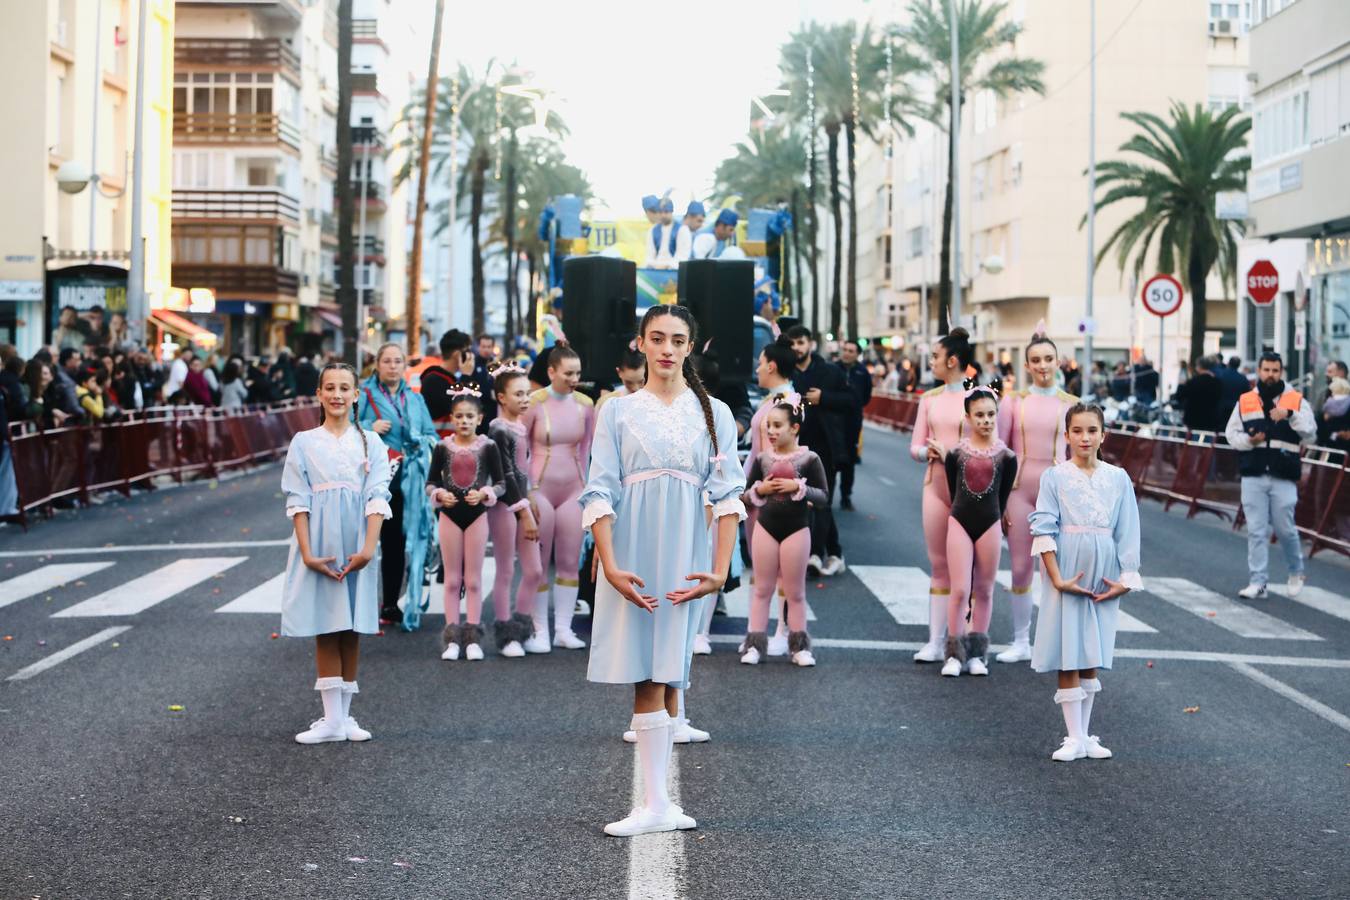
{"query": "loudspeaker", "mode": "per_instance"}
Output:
(599, 311)
(721, 295)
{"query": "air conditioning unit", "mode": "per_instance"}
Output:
(1222, 26)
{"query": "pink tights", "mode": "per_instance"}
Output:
(1021, 503)
(560, 529)
(937, 509)
(963, 558)
(772, 560)
(508, 546)
(462, 554)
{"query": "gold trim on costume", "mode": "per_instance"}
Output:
(940, 592)
(1021, 590)
(567, 582)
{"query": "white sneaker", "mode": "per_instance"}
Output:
(568, 640)
(952, 667)
(833, 566)
(702, 646)
(688, 734)
(513, 650)
(777, 645)
(813, 565)
(630, 737)
(976, 666)
(582, 608)
(1295, 586)
(1019, 651)
(640, 821)
(1253, 592)
(930, 652)
(803, 658)
(682, 822)
(751, 657)
(473, 652)
(322, 731)
(451, 652)
(538, 643)
(1069, 750)
(1095, 750)
(355, 732)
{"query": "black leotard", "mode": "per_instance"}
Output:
(782, 515)
(979, 482)
(462, 469)
(510, 439)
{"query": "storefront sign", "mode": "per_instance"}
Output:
(21, 290)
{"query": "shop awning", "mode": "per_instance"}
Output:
(184, 328)
(331, 318)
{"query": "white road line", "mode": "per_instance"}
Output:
(265, 598)
(61, 656)
(1255, 659)
(140, 594)
(141, 548)
(903, 590)
(1325, 601)
(1313, 706)
(41, 580)
(1124, 621)
(738, 603)
(435, 592)
(889, 482)
(1206, 604)
(655, 860)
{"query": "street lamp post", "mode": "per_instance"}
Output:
(954, 314)
(1089, 324)
(136, 305)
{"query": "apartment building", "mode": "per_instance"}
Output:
(72, 67)
(1300, 202)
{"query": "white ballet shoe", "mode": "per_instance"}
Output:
(473, 652)
(1069, 749)
(952, 667)
(322, 731)
(682, 822)
(356, 733)
(538, 643)
(751, 657)
(688, 734)
(1094, 749)
(568, 640)
(641, 821)
(451, 652)
(1019, 651)
(513, 650)
(778, 645)
(803, 658)
(702, 646)
(929, 652)
(630, 737)
(975, 666)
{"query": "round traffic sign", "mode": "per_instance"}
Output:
(1263, 282)
(1162, 295)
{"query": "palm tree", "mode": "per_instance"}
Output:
(544, 175)
(1188, 161)
(981, 37)
(346, 276)
(414, 315)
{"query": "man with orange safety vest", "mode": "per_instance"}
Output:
(1269, 427)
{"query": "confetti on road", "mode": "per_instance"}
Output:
(117, 644)
(400, 864)
(245, 530)
(1191, 709)
(314, 867)
(175, 708)
(358, 859)
(42, 643)
(275, 635)
(9, 637)
(1149, 664)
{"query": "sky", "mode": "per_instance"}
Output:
(655, 94)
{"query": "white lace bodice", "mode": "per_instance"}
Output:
(668, 434)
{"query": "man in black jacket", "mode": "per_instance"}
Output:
(825, 390)
(1199, 396)
(860, 382)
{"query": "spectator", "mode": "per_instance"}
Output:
(126, 386)
(66, 374)
(859, 381)
(150, 378)
(11, 383)
(460, 367)
(487, 350)
(119, 333)
(1235, 384)
(891, 383)
(210, 370)
(69, 334)
(97, 331)
(197, 388)
(1268, 428)
(1120, 383)
(260, 390)
(1100, 380)
(9, 488)
(306, 378)
(282, 376)
(178, 372)
(1145, 382)
(1336, 369)
(233, 390)
(1199, 397)
(90, 393)
(39, 382)
(1333, 426)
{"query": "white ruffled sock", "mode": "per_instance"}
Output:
(654, 750)
(348, 688)
(1070, 702)
(1091, 687)
(330, 692)
(564, 605)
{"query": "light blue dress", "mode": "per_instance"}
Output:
(330, 478)
(1092, 524)
(650, 466)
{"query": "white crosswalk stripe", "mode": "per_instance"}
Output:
(1317, 598)
(1241, 620)
(1124, 621)
(141, 593)
(44, 579)
(903, 590)
(265, 598)
(738, 603)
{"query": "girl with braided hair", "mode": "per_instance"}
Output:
(336, 482)
(655, 454)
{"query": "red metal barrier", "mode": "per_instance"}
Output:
(170, 441)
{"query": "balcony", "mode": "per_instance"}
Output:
(367, 135)
(235, 128)
(328, 227)
(366, 31)
(287, 11)
(327, 290)
(239, 282)
(372, 248)
(214, 54)
(365, 83)
(253, 204)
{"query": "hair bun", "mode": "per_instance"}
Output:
(959, 334)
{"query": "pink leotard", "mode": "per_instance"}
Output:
(941, 414)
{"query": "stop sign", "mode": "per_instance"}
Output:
(1263, 282)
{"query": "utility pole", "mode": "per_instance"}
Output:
(1089, 325)
(136, 306)
(93, 152)
(955, 312)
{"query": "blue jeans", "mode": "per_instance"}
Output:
(9, 488)
(1269, 502)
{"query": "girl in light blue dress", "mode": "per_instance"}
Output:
(336, 482)
(655, 453)
(1085, 529)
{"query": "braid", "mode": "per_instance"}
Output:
(691, 376)
(356, 420)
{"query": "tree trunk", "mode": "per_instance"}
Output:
(478, 187)
(850, 139)
(527, 328)
(509, 233)
(797, 290)
(837, 215)
(1196, 274)
(814, 242)
(414, 312)
(945, 257)
(346, 276)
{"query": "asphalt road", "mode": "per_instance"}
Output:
(868, 776)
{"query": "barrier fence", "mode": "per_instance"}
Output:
(1197, 469)
(174, 441)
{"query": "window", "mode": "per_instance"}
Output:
(1015, 165)
(979, 175)
(884, 251)
(915, 239)
(1281, 125)
(223, 93)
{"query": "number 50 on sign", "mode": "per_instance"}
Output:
(1162, 295)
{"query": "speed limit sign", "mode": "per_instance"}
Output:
(1162, 295)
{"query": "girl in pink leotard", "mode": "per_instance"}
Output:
(937, 428)
(512, 524)
(1037, 438)
(560, 423)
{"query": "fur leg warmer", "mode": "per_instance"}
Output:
(517, 628)
(469, 633)
(798, 640)
(956, 647)
(759, 640)
(450, 635)
(977, 644)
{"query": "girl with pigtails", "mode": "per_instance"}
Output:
(336, 482)
(655, 453)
